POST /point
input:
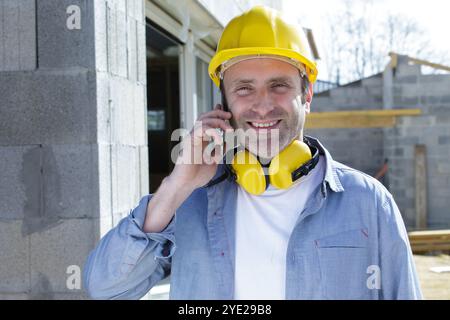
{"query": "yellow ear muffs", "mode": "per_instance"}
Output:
(289, 159)
(288, 163)
(249, 172)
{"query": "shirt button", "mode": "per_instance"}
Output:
(222, 254)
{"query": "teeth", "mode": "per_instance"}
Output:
(264, 125)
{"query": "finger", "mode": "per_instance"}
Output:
(217, 123)
(217, 113)
(204, 133)
(212, 132)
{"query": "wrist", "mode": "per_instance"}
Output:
(175, 182)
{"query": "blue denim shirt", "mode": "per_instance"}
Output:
(349, 242)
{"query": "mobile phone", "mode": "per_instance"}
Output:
(224, 103)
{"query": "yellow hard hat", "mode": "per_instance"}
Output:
(261, 31)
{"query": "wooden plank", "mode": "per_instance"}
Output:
(394, 62)
(429, 240)
(377, 112)
(430, 233)
(357, 118)
(350, 122)
(421, 186)
(422, 249)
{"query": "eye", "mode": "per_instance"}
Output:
(243, 90)
(280, 87)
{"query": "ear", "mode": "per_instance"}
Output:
(309, 95)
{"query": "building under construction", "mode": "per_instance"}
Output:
(394, 125)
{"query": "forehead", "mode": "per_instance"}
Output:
(260, 69)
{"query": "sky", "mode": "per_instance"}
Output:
(431, 15)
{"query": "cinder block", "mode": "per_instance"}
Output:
(439, 109)
(131, 9)
(123, 121)
(54, 250)
(60, 46)
(52, 108)
(144, 171)
(444, 140)
(132, 47)
(140, 11)
(105, 180)
(20, 174)
(14, 257)
(70, 182)
(402, 101)
(141, 52)
(101, 37)
(122, 58)
(438, 216)
(140, 115)
(104, 111)
(121, 6)
(409, 79)
(444, 167)
(18, 39)
(125, 171)
(111, 33)
(10, 36)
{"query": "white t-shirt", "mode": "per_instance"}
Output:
(264, 224)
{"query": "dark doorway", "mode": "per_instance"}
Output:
(163, 101)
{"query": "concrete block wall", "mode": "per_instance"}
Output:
(412, 89)
(365, 150)
(73, 138)
(359, 148)
(404, 87)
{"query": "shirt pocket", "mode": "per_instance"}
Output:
(343, 262)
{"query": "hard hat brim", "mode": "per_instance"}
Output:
(225, 55)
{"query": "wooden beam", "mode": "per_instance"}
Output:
(429, 240)
(394, 61)
(350, 122)
(421, 186)
(357, 118)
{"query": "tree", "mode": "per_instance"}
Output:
(358, 44)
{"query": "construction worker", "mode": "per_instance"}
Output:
(285, 224)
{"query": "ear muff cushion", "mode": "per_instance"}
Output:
(249, 172)
(289, 159)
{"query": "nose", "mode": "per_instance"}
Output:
(263, 103)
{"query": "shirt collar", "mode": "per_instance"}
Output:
(331, 177)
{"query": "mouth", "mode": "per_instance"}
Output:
(268, 124)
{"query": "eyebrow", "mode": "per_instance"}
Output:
(271, 80)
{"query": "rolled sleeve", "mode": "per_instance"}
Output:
(127, 262)
(163, 242)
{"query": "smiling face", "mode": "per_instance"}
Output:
(265, 97)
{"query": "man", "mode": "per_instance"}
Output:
(323, 231)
